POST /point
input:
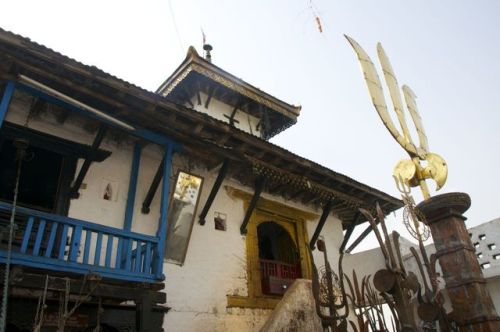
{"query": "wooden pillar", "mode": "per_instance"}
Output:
(4, 104)
(162, 225)
(473, 308)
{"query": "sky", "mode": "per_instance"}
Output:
(447, 51)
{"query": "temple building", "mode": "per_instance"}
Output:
(142, 211)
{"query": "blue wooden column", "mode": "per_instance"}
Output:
(7, 96)
(162, 225)
(132, 187)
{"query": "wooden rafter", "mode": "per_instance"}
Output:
(259, 185)
(215, 189)
(88, 161)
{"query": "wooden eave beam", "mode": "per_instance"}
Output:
(215, 189)
(211, 92)
(146, 204)
(362, 236)
(88, 161)
(321, 223)
(198, 89)
(349, 231)
(259, 185)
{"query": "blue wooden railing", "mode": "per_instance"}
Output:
(54, 242)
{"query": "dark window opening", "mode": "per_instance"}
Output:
(279, 258)
(40, 179)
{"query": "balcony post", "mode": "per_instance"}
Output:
(162, 225)
(4, 104)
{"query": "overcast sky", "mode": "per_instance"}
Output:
(447, 51)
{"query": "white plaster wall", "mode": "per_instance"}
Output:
(215, 267)
(218, 109)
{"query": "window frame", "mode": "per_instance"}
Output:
(267, 210)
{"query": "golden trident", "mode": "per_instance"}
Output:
(410, 171)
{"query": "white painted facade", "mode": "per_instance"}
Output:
(215, 265)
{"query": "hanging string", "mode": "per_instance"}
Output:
(317, 18)
(20, 155)
(175, 25)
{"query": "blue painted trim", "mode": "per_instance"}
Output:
(62, 242)
(109, 250)
(147, 259)
(27, 234)
(75, 243)
(98, 248)
(86, 250)
(162, 227)
(74, 267)
(7, 96)
(128, 255)
(52, 239)
(76, 222)
(119, 249)
(39, 235)
(142, 267)
(138, 257)
(132, 187)
(139, 132)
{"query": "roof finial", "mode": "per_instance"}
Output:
(208, 48)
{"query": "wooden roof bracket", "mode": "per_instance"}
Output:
(326, 211)
(152, 188)
(361, 237)
(259, 185)
(215, 189)
(349, 231)
(88, 161)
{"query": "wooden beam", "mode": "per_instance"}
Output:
(185, 97)
(211, 92)
(88, 161)
(38, 105)
(361, 237)
(259, 185)
(78, 286)
(132, 187)
(232, 115)
(321, 223)
(349, 231)
(198, 97)
(215, 189)
(153, 188)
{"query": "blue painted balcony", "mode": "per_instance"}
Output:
(48, 241)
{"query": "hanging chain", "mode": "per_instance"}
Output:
(20, 155)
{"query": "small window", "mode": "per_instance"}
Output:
(480, 255)
(485, 266)
(482, 237)
(496, 257)
(476, 245)
(492, 246)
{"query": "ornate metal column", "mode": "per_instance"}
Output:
(473, 308)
